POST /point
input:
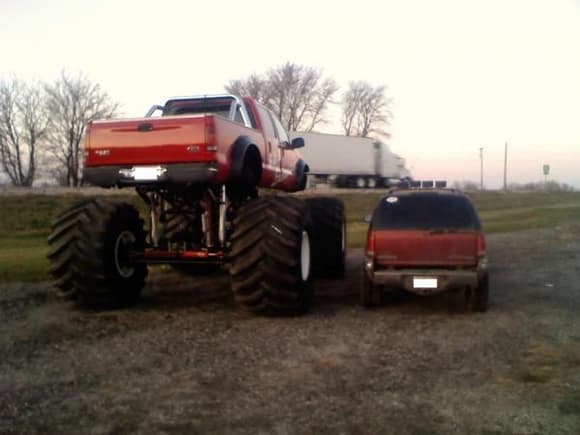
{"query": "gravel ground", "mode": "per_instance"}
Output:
(186, 360)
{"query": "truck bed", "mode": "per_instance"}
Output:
(172, 139)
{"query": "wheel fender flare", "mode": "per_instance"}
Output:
(241, 147)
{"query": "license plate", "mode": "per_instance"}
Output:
(424, 282)
(144, 173)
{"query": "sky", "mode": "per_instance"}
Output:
(462, 74)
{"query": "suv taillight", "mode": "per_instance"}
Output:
(481, 253)
(370, 251)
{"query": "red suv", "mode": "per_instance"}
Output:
(425, 242)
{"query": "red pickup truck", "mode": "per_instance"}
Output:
(211, 139)
(198, 164)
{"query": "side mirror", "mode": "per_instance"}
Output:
(368, 218)
(297, 142)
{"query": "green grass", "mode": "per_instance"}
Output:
(23, 259)
(499, 211)
(25, 222)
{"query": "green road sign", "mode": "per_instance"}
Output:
(546, 169)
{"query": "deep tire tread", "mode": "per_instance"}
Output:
(61, 247)
(329, 222)
(265, 267)
(81, 252)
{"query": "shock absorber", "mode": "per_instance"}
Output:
(155, 210)
(206, 220)
(223, 206)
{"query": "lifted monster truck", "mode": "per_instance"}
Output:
(197, 163)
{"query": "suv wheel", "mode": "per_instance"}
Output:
(370, 294)
(477, 300)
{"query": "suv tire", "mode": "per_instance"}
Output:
(477, 300)
(370, 295)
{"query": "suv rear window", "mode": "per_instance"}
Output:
(425, 211)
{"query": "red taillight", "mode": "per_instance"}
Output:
(370, 248)
(369, 262)
(210, 139)
(481, 248)
(482, 262)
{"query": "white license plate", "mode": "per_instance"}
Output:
(144, 173)
(424, 282)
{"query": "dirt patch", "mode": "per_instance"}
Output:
(186, 359)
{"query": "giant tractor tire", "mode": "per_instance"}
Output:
(329, 237)
(90, 252)
(270, 258)
(61, 251)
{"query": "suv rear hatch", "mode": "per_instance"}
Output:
(426, 230)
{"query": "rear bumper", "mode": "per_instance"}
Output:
(446, 279)
(175, 173)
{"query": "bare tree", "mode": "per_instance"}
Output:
(298, 94)
(254, 86)
(23, 125)
(73, 102)
(365, 109)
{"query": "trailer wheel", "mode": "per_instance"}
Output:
(328, 236)
(270, 256)
(61, 249)
(104, 273)
(360, 183)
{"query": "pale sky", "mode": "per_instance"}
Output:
(462, 74)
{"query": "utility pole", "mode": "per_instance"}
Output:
(481, 168)
(505, 168)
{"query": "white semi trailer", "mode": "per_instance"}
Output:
(349, 161)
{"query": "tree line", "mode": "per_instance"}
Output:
(539, 186)
(45, 123)
(42, 124)
(300, 95)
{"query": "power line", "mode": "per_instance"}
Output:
(481, 168)
(505, 167)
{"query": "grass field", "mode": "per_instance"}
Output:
(25, 222)
(499, 211)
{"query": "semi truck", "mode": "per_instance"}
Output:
(349, 161)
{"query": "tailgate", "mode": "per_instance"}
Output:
(425, 248)
(175, 139)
